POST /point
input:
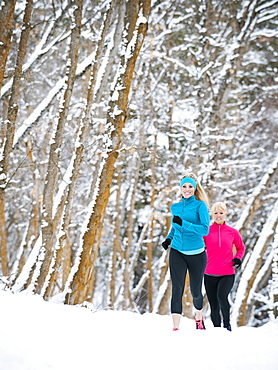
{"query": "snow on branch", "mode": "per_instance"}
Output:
(161, 292)
(191, 71)
(260, 276)
(266, 5)
(25, 273)
(40, 48)
(35, 115)
(244, 215)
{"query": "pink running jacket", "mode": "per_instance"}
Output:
(220, 243)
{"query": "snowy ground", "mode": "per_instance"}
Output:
(36, 335)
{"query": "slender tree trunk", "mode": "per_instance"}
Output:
(149, 264)
(33, 226)
(48, 231)
(6, 32)
(44, 45)
(116, 118)
(3, 237)
(253, 266)
(129, 230)
(113, 53)
(131, 255)
(161, 305)
(66, 263)
(211, 106)
(11, 121)
(78, 157)
(254, 200)
(165, 284)
(152, 225)
(117, 242)
(275, 275)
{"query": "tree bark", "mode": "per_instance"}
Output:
(116, 243)
(161, 305)
(48, 231)
(117, 115)
(253, 266)
(11, 121)
(6, 32)
(254, 200)
(78, 157)
(152, 225)
(113, 54)
(33, 228)
(165, 284)
(275, 275)
(127, 273)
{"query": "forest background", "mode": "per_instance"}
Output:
(104, 106)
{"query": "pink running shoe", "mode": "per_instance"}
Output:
(176, 329)
(200, 324)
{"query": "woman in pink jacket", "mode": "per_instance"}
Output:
(225, 250)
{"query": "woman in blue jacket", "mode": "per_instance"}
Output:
(190, 222)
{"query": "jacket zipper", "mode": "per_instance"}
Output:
(219, 236)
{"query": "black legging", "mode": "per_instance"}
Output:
(179, 264)
(218, 289)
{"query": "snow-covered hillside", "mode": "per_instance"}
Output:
(36, 335)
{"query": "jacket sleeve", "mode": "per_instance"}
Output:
(171, 233)
(238, 243)
(203, 227)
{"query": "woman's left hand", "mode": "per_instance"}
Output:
(236, 262)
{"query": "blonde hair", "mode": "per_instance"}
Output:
(200, 193)
(219, 205)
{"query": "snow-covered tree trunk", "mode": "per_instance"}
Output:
(131, 252)
(33, 227)
(78, 158)
(275, 275)
(45, 44)
(136, 28)
(152, 222)
(243, 299)
(6, 32)
(3, 236)
(161, 305)
(214, 86)
(130, 206)
(48, 230)
(11, 120)
(112, 273)
(112, 54)
(254, 200)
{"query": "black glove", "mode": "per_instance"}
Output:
(237, 262)
(177, 220)
(166, 243)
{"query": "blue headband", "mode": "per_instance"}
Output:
(190, 180)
